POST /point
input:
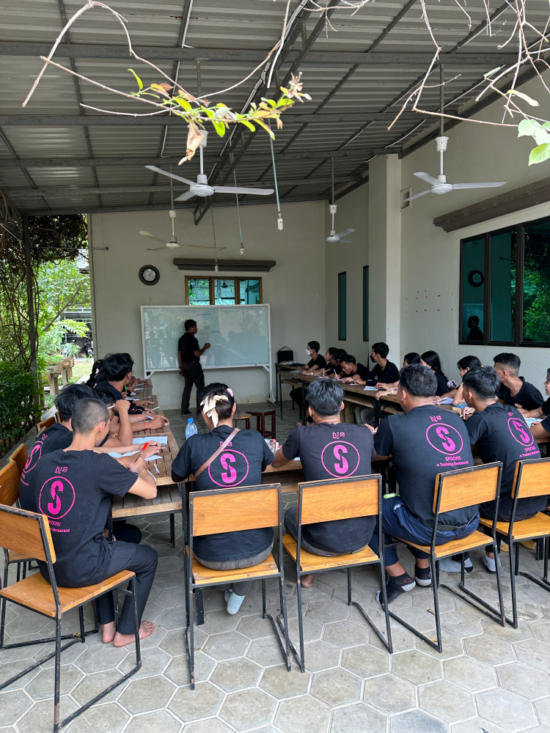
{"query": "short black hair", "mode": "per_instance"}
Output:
(483, 381)
(340, 355)
(69, 396)
(381, 349)
(103, 395)
(95, 371)
(315, 345)
(348, 359)
(333, 351)
(511, 361)
(418, 380)
(189, 323)
(115, 367)
(412, 358)
(468, 362)
(87, 414)
(432, 360)
(224, 409)
(474, 320)
(325, 397)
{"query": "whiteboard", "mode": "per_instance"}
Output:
(240, 335)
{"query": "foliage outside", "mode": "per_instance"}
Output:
(18, 409)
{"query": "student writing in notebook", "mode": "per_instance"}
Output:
(514, 390)
(354, 372)
(544, 410)
(464, 365)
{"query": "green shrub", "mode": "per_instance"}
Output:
(18, 409)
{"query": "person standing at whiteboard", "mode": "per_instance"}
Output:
(189, 360)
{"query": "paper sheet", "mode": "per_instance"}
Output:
(158, 438)
(133, 453)
(532, 420)
(370, 389)
(446, 401)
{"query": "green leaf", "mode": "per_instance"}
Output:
(528, 127)
(539, 154)
(546, 126)
(248, 124)
(521, 95)
(490, 73)
(140, 83)
(183, 103)
(219, 127)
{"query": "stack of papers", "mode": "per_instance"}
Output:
(370, 389)
(158, 438)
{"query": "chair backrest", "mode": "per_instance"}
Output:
(20, 457)
(234, 510)
(466, 487)
(532, 478)
(25, 533)
(45, 424)
(9, 485)
(58, 417)
(326, 501)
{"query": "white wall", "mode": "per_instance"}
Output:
(350, 258)
(431, 257)
(294, 287)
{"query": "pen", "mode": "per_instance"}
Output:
(141, 451)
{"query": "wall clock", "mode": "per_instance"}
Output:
(476, 278)
(149, 275)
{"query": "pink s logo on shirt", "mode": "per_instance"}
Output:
(444, 438)
(229, 469)
(340, 458)
(231, 475)
(57, 497)
(519, 431)
(341, 465)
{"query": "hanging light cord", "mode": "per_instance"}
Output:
(238, 209)
(214, 233)
(279, 216)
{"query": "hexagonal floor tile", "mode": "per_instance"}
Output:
(417, 667)
(248, 709)
(390, 694)
(469, 673)
(217, 622)
(280, 683)
(93, 684)
(477, 725)
(327, 612)
(543, 710)
(42, 686)
(319, 655)
(101, 658)
(109, 717)
(534, 652)
(178, 669)
(201, 702)
(153, 661)
(160, 720)
(506, 633)
(446, 701)
(236, 674)
(255, 627)
(226, 646)
(357, 718)
(365, 661)
(302, 715)
(488, 649)
(416, 721)
(210, 725)
(147, 694)
(336, 687)
(39, 718)
(265, 652)
(524, 679)
(345, 634)
(12, 706)
(541, 630)
(461, 624)
(506, 709)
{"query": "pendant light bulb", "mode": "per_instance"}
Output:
(216, 268)
(241, 250)
(279, 222)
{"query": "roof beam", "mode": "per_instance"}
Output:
(351, 153)
(164, 120)
(157, 53)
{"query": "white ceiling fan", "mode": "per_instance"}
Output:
(173, 242)
(439, 185)
(201, 187)
(333, 237)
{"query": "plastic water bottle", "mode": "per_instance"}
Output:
(191, 429)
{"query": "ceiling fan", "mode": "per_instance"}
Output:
(201, 187)
(333, 237)
(439, 185)
(173, 242)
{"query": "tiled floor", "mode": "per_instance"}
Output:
(488, 680)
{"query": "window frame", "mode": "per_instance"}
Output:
(340, 337)
(518, 340)
(237, 286)
(366, 287)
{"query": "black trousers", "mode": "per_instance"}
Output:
(193, 375)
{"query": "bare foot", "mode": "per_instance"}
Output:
(145, 630)
(108, 632)
(307, 581)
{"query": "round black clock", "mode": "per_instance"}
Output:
(476, 278)
(149, 275)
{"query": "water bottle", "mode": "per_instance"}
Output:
(191, 429)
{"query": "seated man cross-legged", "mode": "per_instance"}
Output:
(73, 488)
(329, 449)
(423, 441)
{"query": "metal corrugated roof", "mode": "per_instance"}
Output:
(42, 182)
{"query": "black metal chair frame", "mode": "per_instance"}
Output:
(193, 589)
(300, 658)
(470, 597)
(78, 637)
(543, 582)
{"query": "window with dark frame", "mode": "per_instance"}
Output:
(201, 290)
(505, 286)
(342, 307)
(366, 303)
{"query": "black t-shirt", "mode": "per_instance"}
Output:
(425, 442)
(476, 334)
(329, 451)
(134, 409)
(56, 437)
(240, 464)
(528, 397)
(362, 372)
(385, 376)
(187, 345)
(546, 407)
(442, 386)
(74, 489)
(318, 362)
(500, 433)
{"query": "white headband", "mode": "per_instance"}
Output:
(209, 406)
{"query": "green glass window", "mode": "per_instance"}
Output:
(342, 307)
(536, 282)
(503, 286)
(250, 292)
(198, 290)
(224, 292)
(473, 289)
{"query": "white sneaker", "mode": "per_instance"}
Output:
(490, 563)
(448, 565)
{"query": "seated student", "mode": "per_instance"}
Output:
(331, 352)
(544, 410)
(423, 441)
(431, 360)
(73, 488)
(475, 334)
(411, 358)
(464, 365)
(335, 372)
(354, 373)
(385, 372)
(499, 433)
(329, 449)
(240, 463)
(96, 368)
(514, 390)
(315, 365)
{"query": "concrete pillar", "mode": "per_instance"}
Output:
(385, 254)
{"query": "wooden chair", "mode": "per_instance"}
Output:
(260, 422)
(532, 478)
(47, 423)
(244, 418)
(20, 458)
(9, 494)
(29, 534)
(326, 501)
(454, 490)
(234, 510)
